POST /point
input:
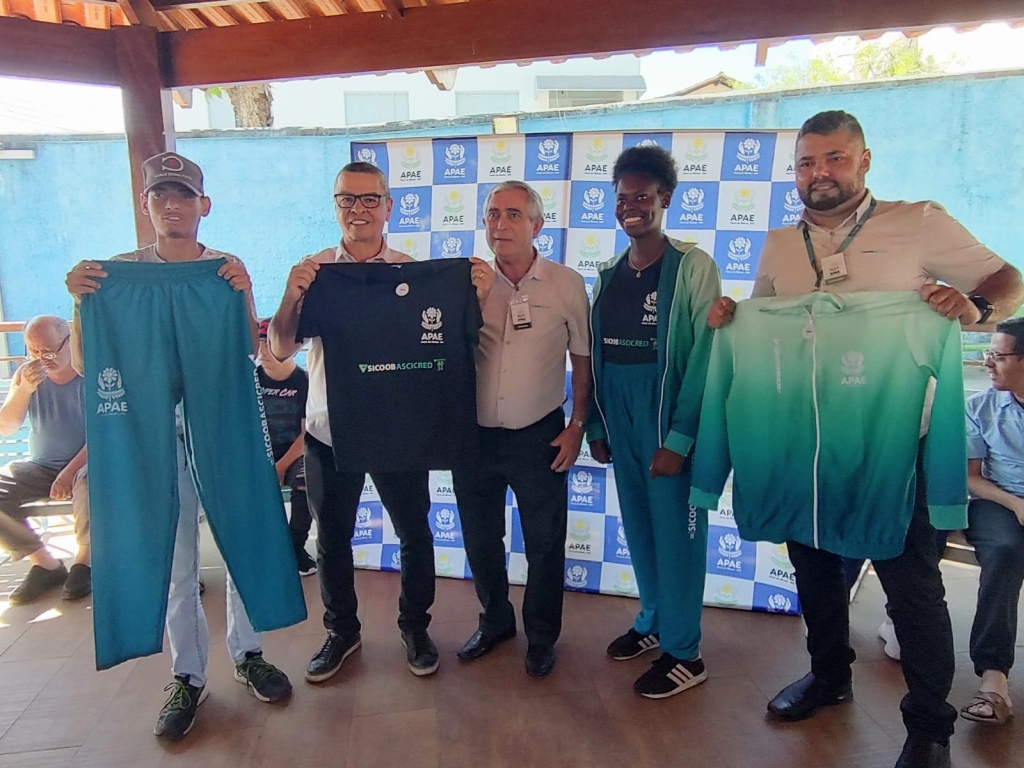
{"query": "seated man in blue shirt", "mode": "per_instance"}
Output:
(48, 391)
(995, 474)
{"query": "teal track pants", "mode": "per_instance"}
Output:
(667, 539)
(155, 335)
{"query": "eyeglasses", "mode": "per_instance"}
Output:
(369, 200)
(989, 355)
(51, 356)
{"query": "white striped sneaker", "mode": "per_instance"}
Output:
(631, 645)
(669, 676)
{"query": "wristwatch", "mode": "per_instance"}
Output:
(578, 423)
(984, 306)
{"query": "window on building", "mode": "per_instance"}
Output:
(584, 98)
(368, 108)
(485, 102)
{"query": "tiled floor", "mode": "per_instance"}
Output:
(57, 711)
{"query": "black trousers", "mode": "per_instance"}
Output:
(998, 540)
(520, 459)
(333, 500)
(917, 605)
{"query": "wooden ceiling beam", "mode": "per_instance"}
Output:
(329, 7)
(289, 9)
(486, 31)
(96, 16)
(218, 16)
(392, 9)
(141, 12)
(61, 52)
(47, 10)
(187, 19)
(254, 13)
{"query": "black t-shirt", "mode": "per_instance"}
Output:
(629, 315)
(284, 403)
(399, 343)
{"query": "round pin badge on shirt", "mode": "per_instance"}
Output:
(402, 289)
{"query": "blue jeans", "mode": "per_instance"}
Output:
(186, 621)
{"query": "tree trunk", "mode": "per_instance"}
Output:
(252, 105)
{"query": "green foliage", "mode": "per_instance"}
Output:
(870, 61)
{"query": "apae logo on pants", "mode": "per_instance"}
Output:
(111, 392)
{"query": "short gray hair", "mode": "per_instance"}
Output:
(369, 168)
(534, 206)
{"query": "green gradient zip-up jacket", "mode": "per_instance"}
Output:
(815, 401)
(690, 283)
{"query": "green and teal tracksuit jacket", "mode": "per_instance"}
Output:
(690, 283)
(815, 402)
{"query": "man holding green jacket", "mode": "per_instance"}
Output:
(650, 349)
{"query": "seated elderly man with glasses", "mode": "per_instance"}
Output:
(49, 391)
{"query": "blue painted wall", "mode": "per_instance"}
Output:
(954, 140)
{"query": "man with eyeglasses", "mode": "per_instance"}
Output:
(362, 205)
(48, 390)
(995, 476)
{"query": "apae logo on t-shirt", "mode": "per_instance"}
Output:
(432, 326)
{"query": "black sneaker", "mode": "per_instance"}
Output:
(307, 565)
(179, 713)
(79, 582)
(631, 645)
(37, 583)
(669, 676)
(265, 681)
(420, 653)
(327, 661)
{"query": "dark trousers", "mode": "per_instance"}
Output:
(300, 520)
(917, 604)
(334, 499)
(998, 540)
(520, 459)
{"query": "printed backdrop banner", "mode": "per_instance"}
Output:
(733, 187)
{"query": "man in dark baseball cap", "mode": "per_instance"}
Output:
(172, 167)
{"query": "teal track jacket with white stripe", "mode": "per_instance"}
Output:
(815, 401)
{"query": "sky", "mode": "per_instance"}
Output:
(32, 106)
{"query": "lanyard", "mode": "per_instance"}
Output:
(842, 246)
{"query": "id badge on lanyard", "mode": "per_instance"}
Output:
(832, 269)
(520, 312)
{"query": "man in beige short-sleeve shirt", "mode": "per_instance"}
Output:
(536, 312)
(895, 246)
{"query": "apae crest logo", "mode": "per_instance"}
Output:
(582, 482)
(451, 248)
(111, 391)
(548, 151)
(367, 155)
(852, 366)
(576, 576)
(545, 245)
(693, 200)
(779, 603)
(749, 150)
(739, 249)
(409, 205)
(431, 323)
(650, 309)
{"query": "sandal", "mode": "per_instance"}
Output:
(1001, 711)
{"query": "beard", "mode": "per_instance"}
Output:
(835, 194)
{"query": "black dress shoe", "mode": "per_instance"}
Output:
(921, 752)
(480, 644)
(540, 660)
(800, 700)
